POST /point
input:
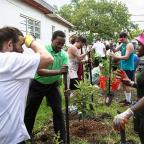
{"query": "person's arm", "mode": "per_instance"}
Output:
(45, 58)
(124, 78)
(77, 55)
(117, 48)
(128, 82)
(104, 49)
(129, 50)
(121, 119)
(46, 72)
(138, 106)
(63, 70)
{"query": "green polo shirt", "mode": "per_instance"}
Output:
(60, 58)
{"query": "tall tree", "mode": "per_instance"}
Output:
(97, 17)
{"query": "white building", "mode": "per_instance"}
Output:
(33, 16)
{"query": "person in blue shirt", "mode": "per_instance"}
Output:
(136, 110)
(126, 63)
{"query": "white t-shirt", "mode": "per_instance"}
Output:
(99, 49)
(16, 70)
(73, 64)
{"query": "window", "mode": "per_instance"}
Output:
(65, 31)
(53, 29)
(29, 25)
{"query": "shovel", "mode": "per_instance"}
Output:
(67, 109)
(110, 94)
(90, 72)
(122, 136)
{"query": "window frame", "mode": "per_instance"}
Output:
(27, 24)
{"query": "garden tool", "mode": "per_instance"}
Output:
(110, 95)
(67, 95)
(90, 71)
(82, 69)
(122, 136)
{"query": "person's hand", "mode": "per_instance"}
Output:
(67, 93)
(113, 55)
(110, 54)
(28, 40)
(64, 69)
(90, 60)
(122, 74)
(89, 49)
(127, 82)
(121, 119)
(124, 78)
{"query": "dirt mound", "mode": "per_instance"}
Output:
(91, 130)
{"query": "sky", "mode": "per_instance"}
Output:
(136, 8)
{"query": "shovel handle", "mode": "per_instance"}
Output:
(67, 110)
(123, 136)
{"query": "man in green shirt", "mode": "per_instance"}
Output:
(46, 83)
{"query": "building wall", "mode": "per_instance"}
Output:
(10, 11)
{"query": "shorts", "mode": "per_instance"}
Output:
(130, 74)
(73, 83)
(139, 122)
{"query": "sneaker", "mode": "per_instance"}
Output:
(123, 101)
(127, 103)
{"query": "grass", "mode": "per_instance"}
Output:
(113, 137)
(43, 115)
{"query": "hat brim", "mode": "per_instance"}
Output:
(140, 39)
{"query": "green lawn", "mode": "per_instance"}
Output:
(113, 137)
(43, 115)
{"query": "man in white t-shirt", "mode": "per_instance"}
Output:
(16, 70)
(99, 48)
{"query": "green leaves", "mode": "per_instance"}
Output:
(82, 98)
(100, 17)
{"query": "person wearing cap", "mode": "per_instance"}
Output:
(126, 63)
(136, 110)
(46, 83)
(17, 68)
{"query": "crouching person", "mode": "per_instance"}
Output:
(16, 70)
(46, 83)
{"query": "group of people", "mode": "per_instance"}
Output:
(127, 77)
(29, 74)
(27, 77)
(128, 62)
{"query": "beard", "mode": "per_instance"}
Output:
(18, 50)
